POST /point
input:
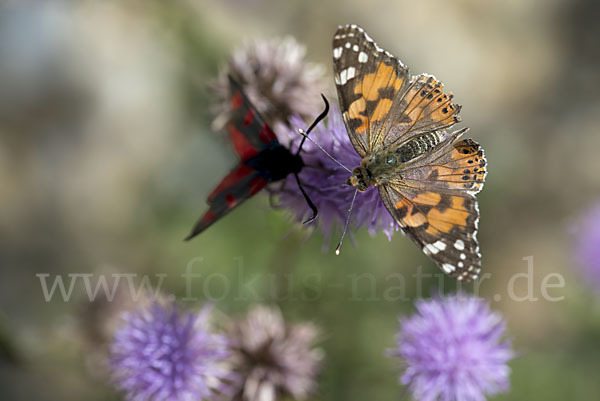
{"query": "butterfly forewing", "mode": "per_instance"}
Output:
(422, 108)
(368, 79)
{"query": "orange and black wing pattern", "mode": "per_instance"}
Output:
(382, 105)
(434, 204)
(431, 197)
(368, 79)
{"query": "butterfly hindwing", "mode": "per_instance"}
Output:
(443, 225)
(455, 166)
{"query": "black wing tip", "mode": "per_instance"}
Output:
(190, 236)
(195, 232)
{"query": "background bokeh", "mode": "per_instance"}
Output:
(106, 157)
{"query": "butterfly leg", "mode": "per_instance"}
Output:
(308, 201)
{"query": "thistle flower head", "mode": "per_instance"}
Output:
(277, 79)
(274, 359)
(588, 246)
(164, 354)
(453, 350)
(324, 181)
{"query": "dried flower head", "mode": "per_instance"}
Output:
(163, 353)
(277, 79)
(274, 359)
(588, 246)
(453, 350)
(324, 181)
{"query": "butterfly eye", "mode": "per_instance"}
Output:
(391, 160)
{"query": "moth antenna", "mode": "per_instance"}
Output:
(315, 211)
(314, 124)
(339, 246)
(301, 132)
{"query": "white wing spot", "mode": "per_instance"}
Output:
(430, 249)
(337, 52)
(337, 79)
(362, 57)
(355, 48)
(459, 244)
(460, 264)
(463, 256)
(448, 268)
(343, 78)
(351, 72)
(347, 45)
(440, 245)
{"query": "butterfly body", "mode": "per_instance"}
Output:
(381, 167)
(426, 177)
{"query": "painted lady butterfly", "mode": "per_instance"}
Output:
(427, 178)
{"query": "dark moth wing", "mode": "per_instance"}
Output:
(239, 185)
(260, 155)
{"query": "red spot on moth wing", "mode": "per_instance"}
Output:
(249, 117)
(208, 217)
(230, 199)
(231, 180)
(242, 146)
(266, 134)
(236, 100)
(257, 184)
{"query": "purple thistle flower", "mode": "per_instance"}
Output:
(165, 354)
(324, 181)
(274, 359)
(588, 246)
(276, 77)
(453, 350)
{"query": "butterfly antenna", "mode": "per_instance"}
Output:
(339, 245)
(323, 150)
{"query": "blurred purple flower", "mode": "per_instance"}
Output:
(165, 354)
(324, 181)
(454, 350)
(274, 359)
(278, 80)
(588, 245)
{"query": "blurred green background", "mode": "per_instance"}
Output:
(106, 158)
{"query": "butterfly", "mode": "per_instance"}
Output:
(427, 178)
(262, 160)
